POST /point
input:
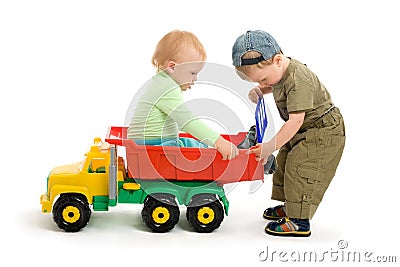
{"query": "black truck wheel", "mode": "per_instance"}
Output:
(160, 213)
(205, 213)
(71, 212)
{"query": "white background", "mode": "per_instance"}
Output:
(69, 69)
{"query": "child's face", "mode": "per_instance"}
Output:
(267, 75)
(185, 72)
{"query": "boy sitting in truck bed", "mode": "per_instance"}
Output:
(161, 113)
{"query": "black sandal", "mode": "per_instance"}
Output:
(275, 213)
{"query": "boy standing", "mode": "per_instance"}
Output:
(311, 140)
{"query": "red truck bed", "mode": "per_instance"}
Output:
(186, 164)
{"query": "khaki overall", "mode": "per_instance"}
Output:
(308, 162)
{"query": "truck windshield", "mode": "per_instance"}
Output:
(82, 164)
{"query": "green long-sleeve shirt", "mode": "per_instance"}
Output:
(161, 113)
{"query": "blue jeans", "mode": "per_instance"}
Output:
(180, 142)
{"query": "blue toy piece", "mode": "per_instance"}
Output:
(261, 127)
(261, 120)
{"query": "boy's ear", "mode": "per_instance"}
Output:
(278, 60)
(170, 68)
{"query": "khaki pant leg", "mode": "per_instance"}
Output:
(278, 192)
(311, 165)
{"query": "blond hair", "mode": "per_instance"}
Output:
(247, 68)
(175, 46)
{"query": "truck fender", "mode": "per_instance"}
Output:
(162, 190)
(63, 189)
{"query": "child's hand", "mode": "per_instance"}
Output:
(255, 94)
(258, 92)
(262, 151)
(227, 149)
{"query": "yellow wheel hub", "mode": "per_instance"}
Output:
(160, 215)
(205, 215)
(71, 214)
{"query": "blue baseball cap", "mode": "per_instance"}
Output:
(259, 41)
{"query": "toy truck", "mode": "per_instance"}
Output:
(159, 177)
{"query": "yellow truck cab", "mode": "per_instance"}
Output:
(74, 187)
